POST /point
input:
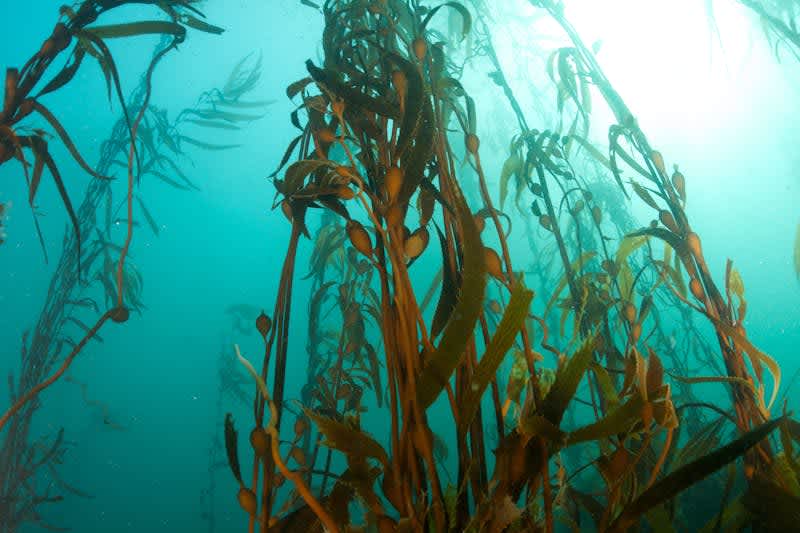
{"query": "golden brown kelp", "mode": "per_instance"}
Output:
(377, 118)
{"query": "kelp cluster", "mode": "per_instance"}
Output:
(517, 390)
(595, 424)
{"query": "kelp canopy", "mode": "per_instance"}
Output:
(476, 360)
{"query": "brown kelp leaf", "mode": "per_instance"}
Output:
(297, 172)
(330, 79)
(788, 454)
(687, 475)
(414, 102)
(756, 356)
(594, 152)
(566, 384)
(294, 88)
(200, 25)
(608, 393)
(350, 441)
(448, 295)
(617, 421)
(231, 443)
(146, 27)
(374, 372)
(512, 167)
(576, 266)
(465, 15)
(532, 425)
(443, 361)
(644, 194)
(508, 328)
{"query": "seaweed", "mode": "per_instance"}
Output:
(553, 385)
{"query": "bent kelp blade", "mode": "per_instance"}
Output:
(690, 474)
(459, 329)
(511, 323)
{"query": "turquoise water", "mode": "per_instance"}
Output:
(140, 431)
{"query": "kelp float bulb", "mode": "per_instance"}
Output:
(120, 314)
(693, 244)
(658, 161)
(668, 220)
(359, 237)
(263, 324)
(696, 288)
(473, 143)
(493, 264)
(416, 243)
(636, 332)
(629, 312)
(597, 215)
(300, 427)
(420, 48)
(392, 183)
(248, 501)
(259, 440)
(425, 205)
(394, 216)
(399, 81)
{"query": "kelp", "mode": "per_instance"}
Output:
(502, 340)
(443, 361)
(577, 417)
(690, 474)
(373, 122)
(119, 281)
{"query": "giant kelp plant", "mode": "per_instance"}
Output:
(518, 389)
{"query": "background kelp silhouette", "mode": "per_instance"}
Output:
(524, 386)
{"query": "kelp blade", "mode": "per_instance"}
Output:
(459, 328)
(513, 319)
(566, 383)
(689, 474)
(348, 440)
(147, 27)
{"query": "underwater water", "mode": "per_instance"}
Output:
(133, 435)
